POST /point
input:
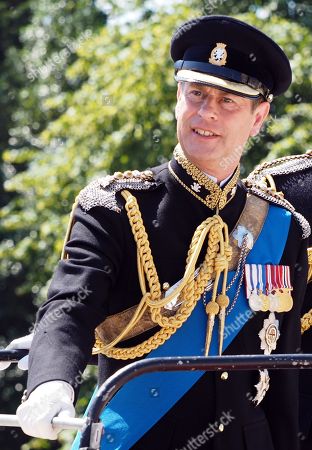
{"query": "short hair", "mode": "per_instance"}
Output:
(257, 101)
(254, 102)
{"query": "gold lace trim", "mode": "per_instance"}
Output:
(217, 196)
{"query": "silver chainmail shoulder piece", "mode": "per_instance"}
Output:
(285, 165)
(102, 191)
(257, 183)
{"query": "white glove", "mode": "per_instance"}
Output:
(18, 344)
(50, 399)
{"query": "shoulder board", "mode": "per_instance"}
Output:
(260, 182)
(285, 165)
(102, 191)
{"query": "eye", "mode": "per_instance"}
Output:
(227, 100)
(196, 93)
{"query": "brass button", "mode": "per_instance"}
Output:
(224, 376)
(221, 427)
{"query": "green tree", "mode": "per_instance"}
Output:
(38, 41)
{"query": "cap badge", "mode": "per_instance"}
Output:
(218, 55)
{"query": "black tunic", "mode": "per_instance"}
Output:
(297, 188)
(100, 279)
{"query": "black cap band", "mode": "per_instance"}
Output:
(223, 72)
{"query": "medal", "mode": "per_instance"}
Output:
(278, 288)
(255, 283)
(268, 287)
(255, 302)
(286, 287)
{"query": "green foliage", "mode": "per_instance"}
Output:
(31, 34)
(121, 116)
(287, 129)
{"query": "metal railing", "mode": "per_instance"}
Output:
(91, 426)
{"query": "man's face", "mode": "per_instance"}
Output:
(213, 126)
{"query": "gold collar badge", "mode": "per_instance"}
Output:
(218, 55)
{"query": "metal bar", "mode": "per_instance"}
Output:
(211, 363)
(90, 432)
(15, 355)
(12, 355)
(71, 423)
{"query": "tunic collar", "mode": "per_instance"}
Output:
(201, 185)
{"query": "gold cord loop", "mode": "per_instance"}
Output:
(189, 290)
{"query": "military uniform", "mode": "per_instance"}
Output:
(293, 177)
(98, 278)
(102, 260)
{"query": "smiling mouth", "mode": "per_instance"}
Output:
(206, 133)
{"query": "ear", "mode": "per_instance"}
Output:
(179, 90)
(179, 93)
(260, 114)
(176, 111)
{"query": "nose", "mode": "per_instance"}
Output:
(208, 108)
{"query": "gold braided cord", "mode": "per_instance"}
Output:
(306, 321)
(190, 289)
(217, 196)
(310, 264)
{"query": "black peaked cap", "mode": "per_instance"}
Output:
(238, 56)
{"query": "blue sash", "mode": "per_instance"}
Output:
(141, 403)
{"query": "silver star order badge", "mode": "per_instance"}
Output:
(196, 187)
(262, 387)
(269, 334)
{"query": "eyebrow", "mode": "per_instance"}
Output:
(205, 87)
(194, 84)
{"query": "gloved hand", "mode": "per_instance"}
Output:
(23, 342)
(50, 399)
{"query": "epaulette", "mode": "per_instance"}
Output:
(284, 165)
(102, 191)
(260, 182)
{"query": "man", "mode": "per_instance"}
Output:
(292, 175)
(135, 235)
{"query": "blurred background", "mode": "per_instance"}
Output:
(87, 88)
